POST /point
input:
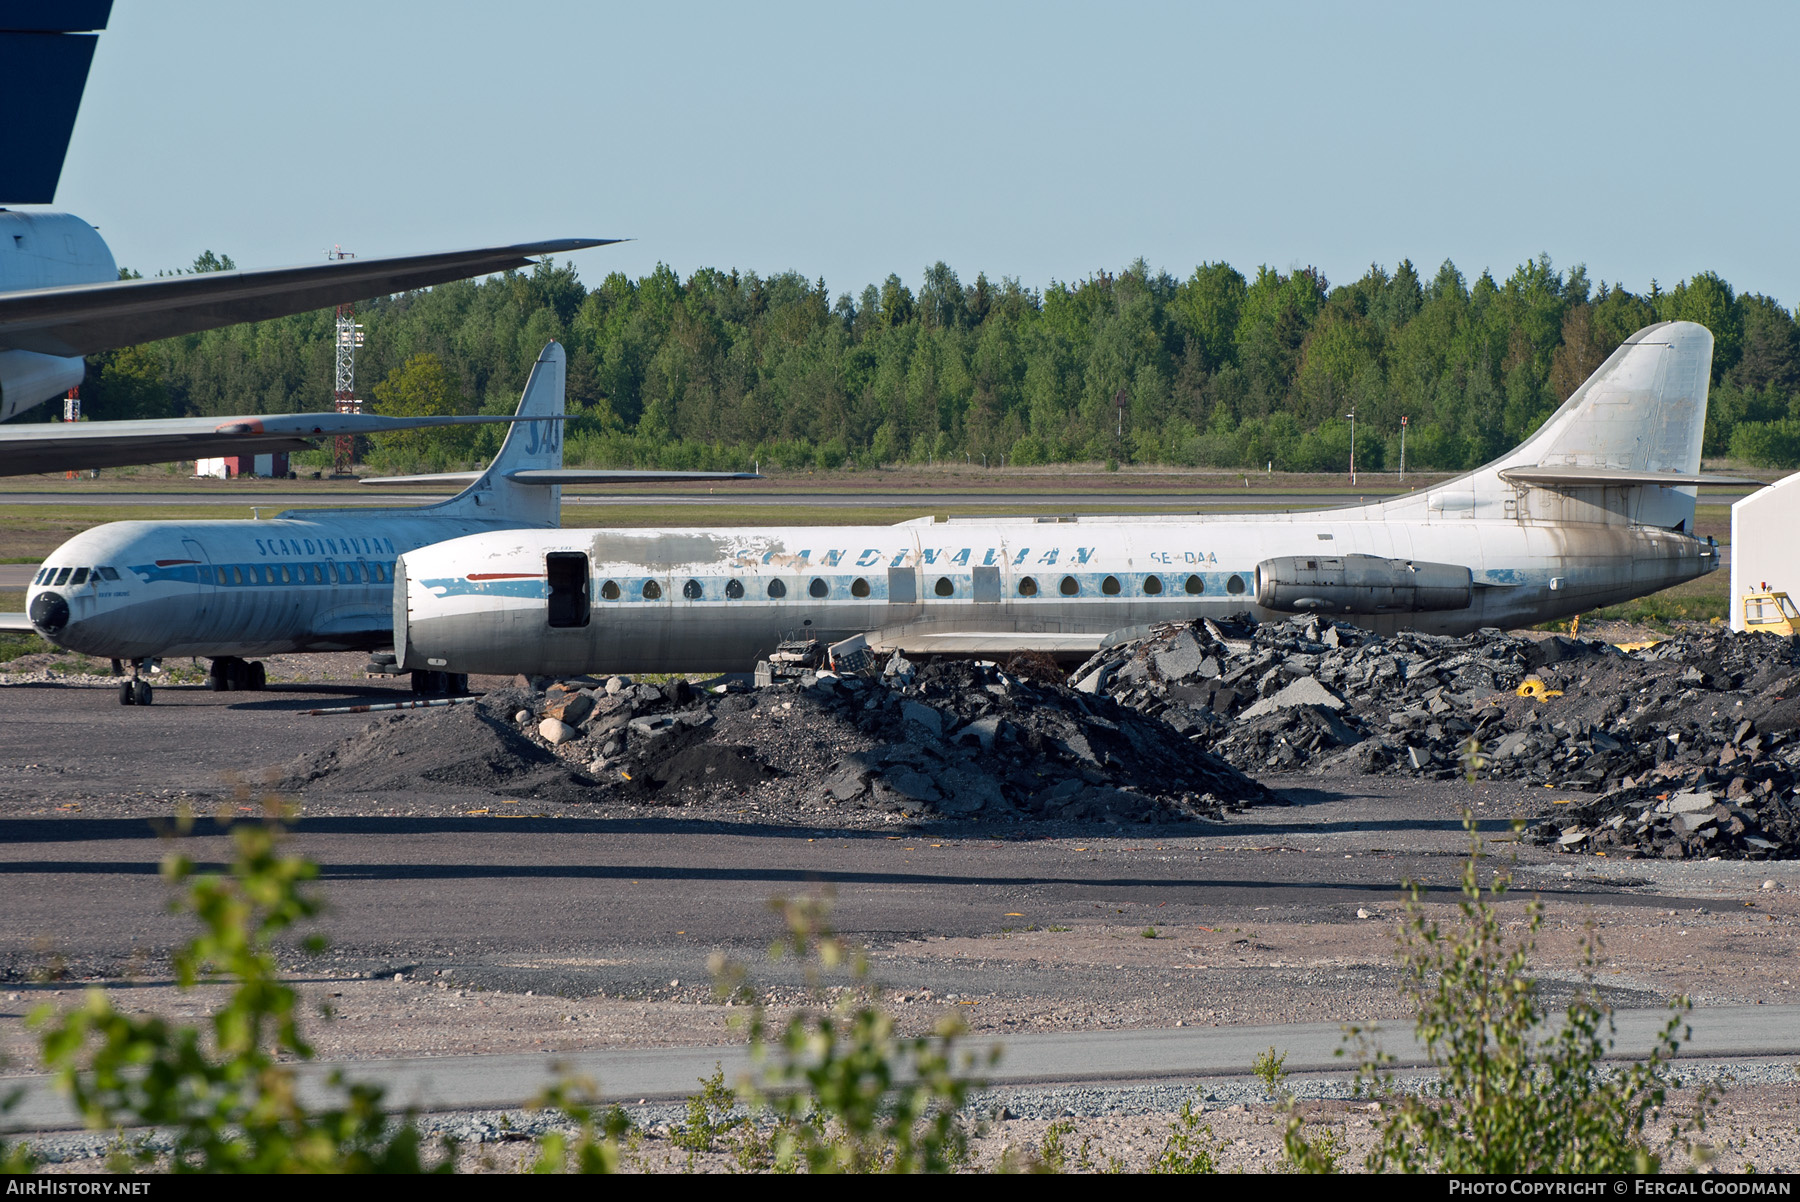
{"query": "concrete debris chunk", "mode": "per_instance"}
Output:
(1181, 657)
(1305, 691)
(1688, 803)
(924, 716)
(910, 784)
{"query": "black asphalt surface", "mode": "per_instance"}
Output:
(88, 789)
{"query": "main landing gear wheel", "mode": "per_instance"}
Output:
(228, 673)
(454, 684)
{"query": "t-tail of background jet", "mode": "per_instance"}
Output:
(520, 488)
(507, 491)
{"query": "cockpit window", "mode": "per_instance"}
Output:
(80, 576)
(62, 576)
(39, 578)
(108, 573)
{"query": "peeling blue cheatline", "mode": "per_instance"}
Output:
(457, 586)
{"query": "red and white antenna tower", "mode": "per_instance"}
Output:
(349, 337)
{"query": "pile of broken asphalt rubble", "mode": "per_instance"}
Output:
(1687, 749)
(956, 739)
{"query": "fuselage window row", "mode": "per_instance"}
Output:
(231, 574)
(945, 586)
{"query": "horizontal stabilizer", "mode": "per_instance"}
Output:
(1559, 476)
(549, 476)
(78, 446)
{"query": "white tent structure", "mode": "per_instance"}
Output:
(1765, 543)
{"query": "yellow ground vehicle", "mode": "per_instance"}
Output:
(1769, 612)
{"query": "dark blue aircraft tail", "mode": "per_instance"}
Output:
(46, 47)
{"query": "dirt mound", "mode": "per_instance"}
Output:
(472, 746)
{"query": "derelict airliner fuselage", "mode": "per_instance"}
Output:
(1594, 508)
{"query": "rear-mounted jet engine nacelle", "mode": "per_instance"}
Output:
(1360, 584)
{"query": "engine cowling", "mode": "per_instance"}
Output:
(28, 378)
(1361, 584)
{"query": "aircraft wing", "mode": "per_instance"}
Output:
(16, 622)
(81, 319)
(559, 475)
(77, 446)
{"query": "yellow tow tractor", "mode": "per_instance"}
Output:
(1767, 611)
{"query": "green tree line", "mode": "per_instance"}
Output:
(1217, 369)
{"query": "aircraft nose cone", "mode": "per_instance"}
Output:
(49, 612)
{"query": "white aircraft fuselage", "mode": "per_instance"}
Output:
(308, 580)
(689, 600)
(320, 582)
(1594, 508)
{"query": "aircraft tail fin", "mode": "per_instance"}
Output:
(1643, 410)
(1625, 446)
(46, 47)
(530, 446)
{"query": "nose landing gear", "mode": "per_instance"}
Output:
(228, 673)
(136, 691)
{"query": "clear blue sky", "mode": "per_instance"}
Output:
(1040, 140)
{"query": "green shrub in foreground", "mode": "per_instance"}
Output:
(230, 1105)
(1518, 1091)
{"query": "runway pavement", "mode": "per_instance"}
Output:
(1114, 1057)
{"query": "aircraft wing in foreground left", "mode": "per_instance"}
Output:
(81, 319)
(59, 446)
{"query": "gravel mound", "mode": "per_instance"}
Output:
(472, 746)
(1708, 712)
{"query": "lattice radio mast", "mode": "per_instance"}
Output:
(349, 337)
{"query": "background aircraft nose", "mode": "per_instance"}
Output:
(49, 612)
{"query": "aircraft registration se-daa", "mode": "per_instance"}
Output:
(1595, 508)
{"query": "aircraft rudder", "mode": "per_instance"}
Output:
(1643, 409)
(529, 446)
